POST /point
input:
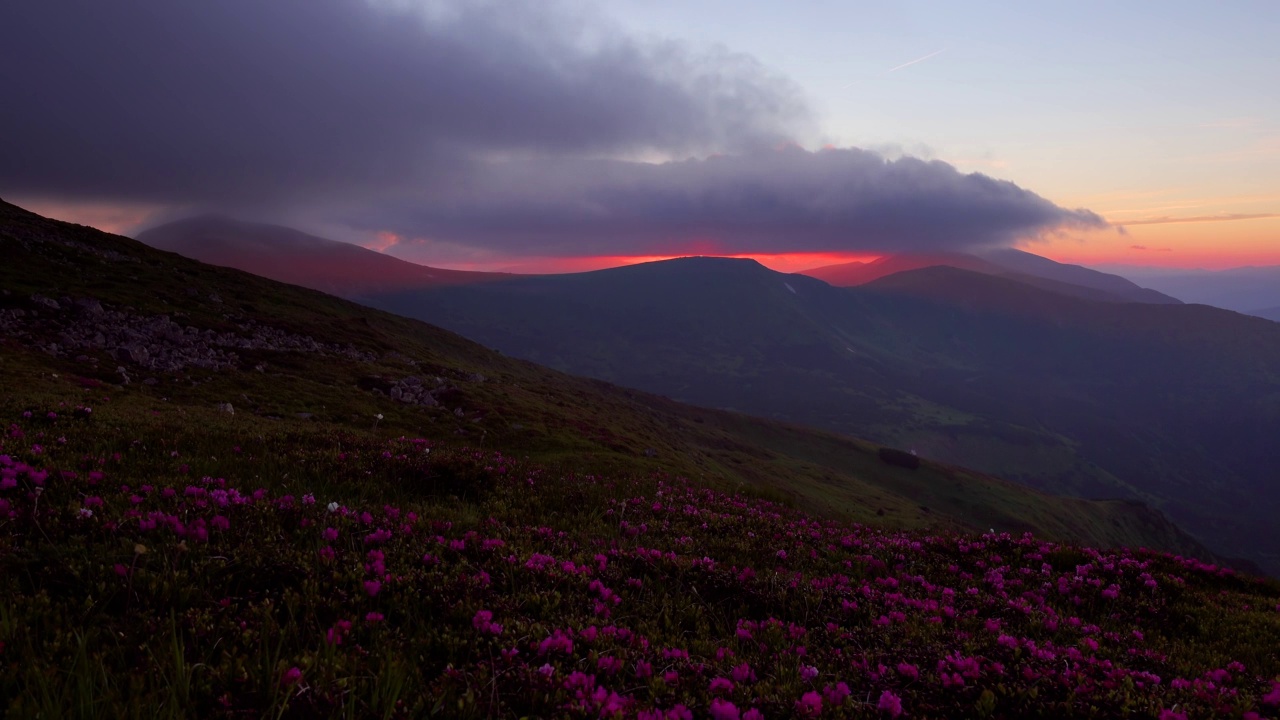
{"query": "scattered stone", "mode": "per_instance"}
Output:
(89, 306)
(227, 408)
(412, 391)
(46, 302)
(156, 342)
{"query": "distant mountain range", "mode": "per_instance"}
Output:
(1251, 290)
(1056, 384)
(1022, 266)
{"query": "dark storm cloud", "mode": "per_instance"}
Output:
(786, 200)
(232, 102)
(466, 123)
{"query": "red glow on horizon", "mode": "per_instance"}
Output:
(781, 262)
(382, 241)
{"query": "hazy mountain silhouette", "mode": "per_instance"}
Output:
(294, 257)
(1268, 313)
(1024, 267)
(1243, 289)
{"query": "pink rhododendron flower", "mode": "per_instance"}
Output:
(724, 710)
(722, 685)
(809, 705)
(890, 703)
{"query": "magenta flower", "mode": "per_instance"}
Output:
(330, 534)
(890, 703)
(724, 710)
(753, 714)
(1273, 697)
(809, 705)
(835, 695)
(291, 676)
(372, 587)
(722, 685)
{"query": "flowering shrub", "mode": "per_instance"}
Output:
(468, 584)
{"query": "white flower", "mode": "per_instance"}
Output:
(379, 416)
(333, 507)
(86, 513)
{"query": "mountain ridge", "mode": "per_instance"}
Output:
(1027, 268)
(460, 389)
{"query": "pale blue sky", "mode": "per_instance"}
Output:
(1135, 109)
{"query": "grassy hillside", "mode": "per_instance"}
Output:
(150, 569)
(248, 528)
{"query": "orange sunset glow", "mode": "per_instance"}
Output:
(1206, 242)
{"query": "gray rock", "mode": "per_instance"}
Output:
(90, 307)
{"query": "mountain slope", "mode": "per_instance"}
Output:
(1172, 404)
(858, 273)
(85, 313)
(1027, 263)
(294, 257)
(1040, 272)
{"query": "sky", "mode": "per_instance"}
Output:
(566, 135)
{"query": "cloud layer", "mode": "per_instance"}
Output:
(241, 101)
(786, 200)
(494, 128)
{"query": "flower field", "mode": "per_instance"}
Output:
(325, 574)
